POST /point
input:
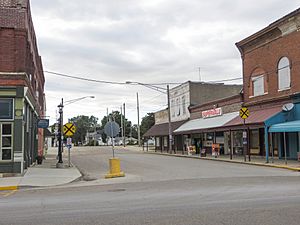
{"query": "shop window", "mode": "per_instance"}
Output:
(165, 141)
(284, 74)
(258, 85)
(157, 141)
(6, 142)
(254, 139)
(6, 108)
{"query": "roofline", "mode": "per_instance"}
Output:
(266, 29)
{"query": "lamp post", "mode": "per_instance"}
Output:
(60, 127)
(164, 91)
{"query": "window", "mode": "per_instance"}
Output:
(6, 141)
(6, 108)
(178, 106)
(183, 105)
(258, 85)
(284, 74)
(173, 107)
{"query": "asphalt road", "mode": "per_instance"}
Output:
(161, 190)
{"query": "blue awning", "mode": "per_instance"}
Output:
(293, 126)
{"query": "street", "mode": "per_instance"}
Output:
(160, 190)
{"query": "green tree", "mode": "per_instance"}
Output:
(83, 125)
(134, 131)
(147, 122)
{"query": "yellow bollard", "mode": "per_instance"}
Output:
(114, 169)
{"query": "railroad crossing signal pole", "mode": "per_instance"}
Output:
(244, 114)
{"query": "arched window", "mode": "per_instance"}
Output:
(284, 74)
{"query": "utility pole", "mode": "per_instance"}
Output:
(199, 73)
(124, 125)
(138, 117)
(169, 120)
(122, 131)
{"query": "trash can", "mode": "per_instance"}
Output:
(39, 159)
(203, 152)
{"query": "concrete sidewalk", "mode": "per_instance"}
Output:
(293, 165)
(44, 175)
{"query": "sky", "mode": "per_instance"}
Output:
(145, 41)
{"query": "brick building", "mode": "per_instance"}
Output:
(271, 79)
(22, 98)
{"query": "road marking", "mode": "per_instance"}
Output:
(7, 193)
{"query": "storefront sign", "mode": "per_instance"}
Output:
(212, 113)
(43, 123)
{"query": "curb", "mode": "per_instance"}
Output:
(297, 169)
(9, 188)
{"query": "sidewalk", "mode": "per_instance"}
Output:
(44, 175)
(293, 165)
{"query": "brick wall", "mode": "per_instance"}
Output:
(261, 53)
(18, 49)
(228, 105)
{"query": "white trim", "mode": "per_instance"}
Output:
(252, 96)
(284, 89)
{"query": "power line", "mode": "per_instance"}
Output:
(81, 77)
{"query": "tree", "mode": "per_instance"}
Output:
(134, 131)
(83, 125)
(116, 116)
(147, 122)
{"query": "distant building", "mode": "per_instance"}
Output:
(181, 98)
(22, 98)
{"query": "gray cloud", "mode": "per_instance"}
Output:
(145, 41)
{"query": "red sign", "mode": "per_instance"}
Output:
(212, 113)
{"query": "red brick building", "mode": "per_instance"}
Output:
(271, 78)
(22, 98)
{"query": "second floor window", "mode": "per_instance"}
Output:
(258, 85)
(284, 74)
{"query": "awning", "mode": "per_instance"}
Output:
(207, 123)
(293, 126)
(255, 117)
(162, 129)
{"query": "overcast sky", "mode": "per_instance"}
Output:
(148, 41)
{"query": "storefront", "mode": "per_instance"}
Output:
(206, 133)
(160, 132)
(285, 136)
(19, 135)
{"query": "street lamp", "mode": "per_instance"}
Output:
(60, 127)
(164, 91)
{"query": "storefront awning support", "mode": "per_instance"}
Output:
(284, 145)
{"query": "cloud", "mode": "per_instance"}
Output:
(141, 40)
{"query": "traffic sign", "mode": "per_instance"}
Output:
(111, 129)
(244, 113)
(69, 129)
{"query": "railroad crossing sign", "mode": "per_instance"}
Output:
(69, 129)
(244, 113)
